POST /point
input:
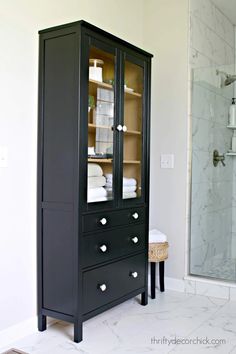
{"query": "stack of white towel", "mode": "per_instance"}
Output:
(129, 186)
(96, 183)
(156, 236)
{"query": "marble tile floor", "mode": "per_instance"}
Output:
(132, 328)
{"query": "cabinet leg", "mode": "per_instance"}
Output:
(153, 280)
(161, 275)
(78, 332)
(42, 323)
(144, 298)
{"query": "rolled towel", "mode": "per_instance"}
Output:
(129, 189)
(94, 170)
(94, 193)
(129, 195)
(95, 182)
(125, 189)
(129, 181)
(156, 236)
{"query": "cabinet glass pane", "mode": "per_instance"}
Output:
(100, 125)
(132, 156)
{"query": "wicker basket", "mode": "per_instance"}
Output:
(158, 252)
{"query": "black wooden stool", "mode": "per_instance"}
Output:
(158, 253)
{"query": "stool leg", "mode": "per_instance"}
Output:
(161, 275)
(153, 280)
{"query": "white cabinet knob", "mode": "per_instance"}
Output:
(135, 239)
(103, 287)
(134, 274)
(103, 221)
(124, 128)
(103, 248)
(119, 128)
(135, 216)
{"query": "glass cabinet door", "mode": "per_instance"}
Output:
(132, 130)
(101, 113)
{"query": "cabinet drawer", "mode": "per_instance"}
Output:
(107, 245)
(104, 220)
(108, 283)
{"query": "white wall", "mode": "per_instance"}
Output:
(159, 26)
(20, 22)
(166, 36)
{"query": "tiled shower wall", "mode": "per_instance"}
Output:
(212, 46)
(233, 248)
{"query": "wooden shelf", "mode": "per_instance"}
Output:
(100, 160)
(133, 162)
(132, 132)
(101, 84)
(110, 87)
(92, 129)
(231, 154)
(132, 94)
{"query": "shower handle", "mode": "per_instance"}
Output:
(218, 158)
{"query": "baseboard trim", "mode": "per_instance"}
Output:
(198, 286)
(175, 284)
(19, 331)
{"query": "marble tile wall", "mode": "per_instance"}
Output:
(211, 47)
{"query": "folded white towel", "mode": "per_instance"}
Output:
(127, 182)
(94, 182)
(99, 199)
(157, 236)
(126, 189)
(94, 170)
(96, 193)
(129, 195)
(129, 189)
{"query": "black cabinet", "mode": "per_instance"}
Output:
(93, 173)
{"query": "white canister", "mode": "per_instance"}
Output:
(232, 113)
(95, 69)
(233, 147)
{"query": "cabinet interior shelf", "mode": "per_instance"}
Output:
(110, 87)
(92, 129)
(133, 162)
(231, 126)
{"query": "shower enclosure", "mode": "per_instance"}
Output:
(213, 166)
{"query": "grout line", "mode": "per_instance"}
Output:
(222, 13)
(202, 323)
(211, 90)
(206, 56)
(206, 25)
